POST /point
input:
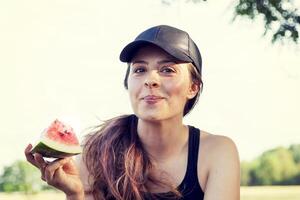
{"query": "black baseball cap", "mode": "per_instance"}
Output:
(174, 41)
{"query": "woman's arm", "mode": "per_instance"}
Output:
(223, 178)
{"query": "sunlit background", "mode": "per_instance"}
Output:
(59, 59)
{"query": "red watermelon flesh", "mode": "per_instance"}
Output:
(62, 133)
(58, 141)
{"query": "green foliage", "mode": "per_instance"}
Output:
(295, 149)
(247, 172)
(20, 176)
(274, 167)
(280, 16)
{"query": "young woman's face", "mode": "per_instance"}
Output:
(158, 86)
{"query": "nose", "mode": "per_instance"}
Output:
(151, 84)
(152, 80)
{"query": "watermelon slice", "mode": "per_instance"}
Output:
(57, 141)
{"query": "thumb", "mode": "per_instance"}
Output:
(70, 167)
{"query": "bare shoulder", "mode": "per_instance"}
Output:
(218, 163)
(217, 146)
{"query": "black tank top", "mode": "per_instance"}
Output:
(189, 187)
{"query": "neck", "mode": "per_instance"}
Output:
(162, 139)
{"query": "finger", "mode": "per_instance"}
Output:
(49, 171)
(40, 161)
(58, 163)
(29, 156)
(48, 174)
(54, 168)
(35, 160)
(28, 148)
(59, 174)
(70, 167)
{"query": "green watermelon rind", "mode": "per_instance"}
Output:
(47, 151)
(49, 146)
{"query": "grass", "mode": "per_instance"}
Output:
(247, 193)
(39, 196)
(271, 193)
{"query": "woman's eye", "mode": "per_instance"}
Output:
(139, 70)
(167, 70)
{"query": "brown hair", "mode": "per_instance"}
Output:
(197, 79)
(119, 166)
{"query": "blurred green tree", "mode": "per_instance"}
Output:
(20, 176)
(245, 173)
(275, 167)
(281, 17)
(248, 172)
(295, 150)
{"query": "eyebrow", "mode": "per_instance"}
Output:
(159, 62)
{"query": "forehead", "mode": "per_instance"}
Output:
(152, 52)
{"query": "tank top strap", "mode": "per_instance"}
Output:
(191, 176)
(193, 149)
(190, 186)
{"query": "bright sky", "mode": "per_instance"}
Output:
(59, 59)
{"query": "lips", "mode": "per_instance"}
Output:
(151, 99)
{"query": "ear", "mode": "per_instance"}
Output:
(193, 90)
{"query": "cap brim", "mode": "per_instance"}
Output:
(129, 50)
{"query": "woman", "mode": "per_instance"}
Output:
(152, 154)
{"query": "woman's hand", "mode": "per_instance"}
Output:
(61, 173)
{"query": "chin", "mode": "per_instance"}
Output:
(147, 116)
(154, 117)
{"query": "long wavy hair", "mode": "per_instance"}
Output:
(119, 166)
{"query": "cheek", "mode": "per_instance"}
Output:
(133, 87)
(177, 88)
